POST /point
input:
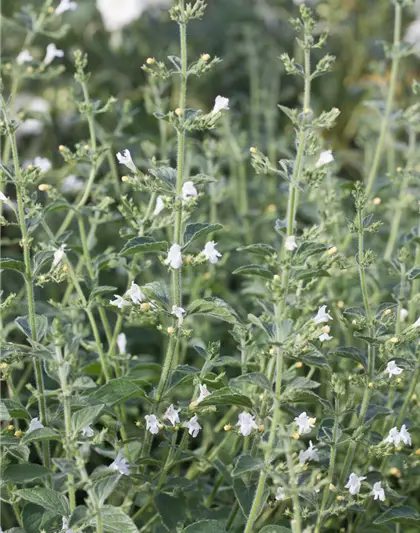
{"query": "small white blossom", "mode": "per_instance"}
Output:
(59, 255)
(324, 158)
(378, 492)
(189, 191)
(412, 35)
(280, 494)
(210, 252)
(322, 315)
(405, 435)
(403, 314)
(116, 14)
(393, 369)
(393, 437)
(220, 104)
(124, 158)
(120, 465)
(24, 57)
(87, 431)
(4, 198)
(34, 424)
(122, 343)
(174, 258)
(290, 243)
(65, 526)
(42, 163)
(51, 53)
(304, 423)
(193, 426)
(246, 423)
(72, 184)
(325, 337)
(203, 393)
(179, 313)
(65, 5)
(172, 415)
(354, 484)
(160, 206)
(119, 302)
(310, 454)
(152, 424)
(135, 293)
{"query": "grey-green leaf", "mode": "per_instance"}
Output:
(401, 514)
(254, 270)
(247, 463)
(226, 396)
(205, 526)
(84, 417)
(142, 245)
(171, 510)
(48, 499)
(197, 230)
(117, 391)
(115, 520)
(8, 263)
(4, 413)
(215, 308)
(24, 472)
(40, 434)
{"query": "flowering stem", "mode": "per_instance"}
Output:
(177, 238)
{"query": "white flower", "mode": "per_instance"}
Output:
(87, 431)
(24, 57)
(310, 454)
(65, 5)
(120, 465)
(354, 484)
(34, 424)
(179, 313)
(325, 337)
(174, 258)
(119, 13)
(378, 492)
(4, 198)
(160, 206)
(203, 393)
(51, 53)
(412, 35)
(193, 426)
(324, 158)
(290, 243)
(405, 435)
(393, 369)
(119, 302)
(124, 158)
(65, 526)
(417, 323)
(59, 255)
(221, 103)
(280, 494)
(189, 191)
(135, 293)
(172, 415)
(42, 163)
(246, 423)
(403, 314)
(122, 343)
(305, 424)
(210, 252)
(322, 315)
(29, 102)
(72, 184)
(152, 424)
(394, 437)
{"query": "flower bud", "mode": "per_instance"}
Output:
(4, 366)
(253, 150)
(340, 304)
(261, 427)
(295, 435)
(125, 179)
(227, 427)
(18, 433)
(171, 330)
(61, 147)
(150, 61)
(387, 312)
(10, 428)
(332, 250)
(43, 187)
(205, 57)
(377, 200)
(326, 329)
(394, 340)
(299, 364)
(179, 112)
(145, 306)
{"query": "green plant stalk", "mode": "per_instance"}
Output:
(297, 518)
(415, 289)
(177, 239)
(331, 469)
(42, 404)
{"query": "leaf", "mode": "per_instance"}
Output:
(41, 326)
(115, 520)
(226, 396)
(254, 270)
(349, 352)
(414, 273)
(116, 391)
(36, 519)
(171, 510)
(7, 263)
(244, 494)
(105, 486)
(255, 378)
(15, 408)
(401, 514)
(247, 463)
(308, 275)
(205, 526)
(84, 417)
(275, 529)
(48, 499)
(165, 174)
(23, 473)
(258, 249)
(215, 308)
(157, 290)
(302, 383)
(78, 515)
(40, 434)
(142, 245)
(4, 413)
(197, 230)
(100, 291)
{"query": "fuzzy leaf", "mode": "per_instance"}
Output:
(258, 249)
(40, 434)
(171, 510)
(142, 245)
(247, 463)
(7, 263)
(275, 529)
(4, 413)
(205, 526)
(116, 391)
(226, 396)
(254, 270)
(255, 378)
(84, 417)
(197, 230)
(41, 326)
(402, 514)
(48, 499)
(23, 473)
(215, 308)
(115, 520)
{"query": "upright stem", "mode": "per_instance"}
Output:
(177, 238)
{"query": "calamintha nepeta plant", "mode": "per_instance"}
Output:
(158, 379)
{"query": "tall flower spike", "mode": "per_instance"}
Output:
(174, 259)
(51, 53)
(124, 158)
